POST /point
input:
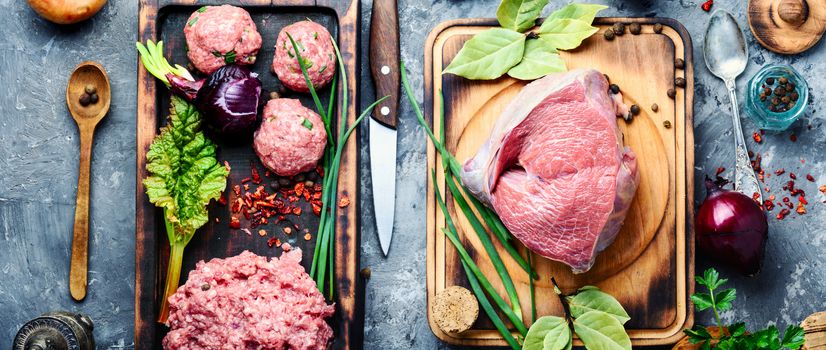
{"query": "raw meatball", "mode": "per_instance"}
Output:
(220, 35)
(316, 47)
(248, 302)
(291, 138)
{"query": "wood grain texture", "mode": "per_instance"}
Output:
(87, 119)
(384, 52)
(814, 328)
(649, 268)
(787, 26)
(161, 22)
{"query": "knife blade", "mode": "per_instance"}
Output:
(384, 68)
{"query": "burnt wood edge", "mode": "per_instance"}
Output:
(688, 49)
(350, 304)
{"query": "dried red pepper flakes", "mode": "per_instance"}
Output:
(801, 209)
(234, 223)
(299, 189)
(297, 211)
(822, 189)
(803, 200)
(793, 137)
(782, 214)
(810, 177)
(720, 170)
(256, 178)
(237, 190)
(793, 176)
(786, 199)
(757, 138)
(707, 5)
(344, 201)
(769, 205)
(780, 171)
(271, 242)
(223, 199)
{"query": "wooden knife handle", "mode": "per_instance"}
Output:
(384, 60)
(80, 240)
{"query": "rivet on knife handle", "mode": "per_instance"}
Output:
(384, 59)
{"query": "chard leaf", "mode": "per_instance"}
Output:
(582, 12)
(489, 54)
(601, 331)
(548, 333)
(540, 60)
(519, 15)
(793, 338)
(565, 33)
(592, 299)
(184, 173)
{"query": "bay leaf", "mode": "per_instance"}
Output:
(489, 54)
(601, 331)
(565, 33)
(548, 333)
(519, 15)
(582, 12)
(540, 59)
(592, 299)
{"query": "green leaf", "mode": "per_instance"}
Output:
(307, 124)
(697, 334)
(737, 329)
(601, 331)
(184, 173)
(711, 279)
(582, 12)
(592, 299)
(702, 301)
(565, 34)
(723, 299)
(202, 9)
(793, 338)
(768, 338)
(488, 54)
(548, 333)
(229, 57)
(539, 60)
(519, 15)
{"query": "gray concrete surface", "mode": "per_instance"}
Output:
(38, 162)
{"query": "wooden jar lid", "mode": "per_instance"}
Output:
(787, 26)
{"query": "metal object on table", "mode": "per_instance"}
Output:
(384, 66)
(726, 56)
(57, 330)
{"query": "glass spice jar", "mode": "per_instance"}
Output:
(757, 105)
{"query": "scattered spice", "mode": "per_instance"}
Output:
(635, 28)
(801, 209)
(667, 124)
(307, 236)
(793, 176)
(679, 63)
(614, 88)
(262, 232)
(720, 170)
(365, 273)
(810, 178)
(782, 214)
(635, 109)
(344, 201)
(679, 82)
(655, 107)
(609, 34)
(658, 28)
(618, 29)
(288, 230)
(706, 6)
(757, 137)
(793, 138)
(671, 93)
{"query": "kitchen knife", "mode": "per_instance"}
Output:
(384, 66)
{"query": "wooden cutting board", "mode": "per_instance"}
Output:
(164, 20)
(649, 268)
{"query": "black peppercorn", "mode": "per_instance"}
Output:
(614, 88)
(780, 91)
(680, 82)
(794, 95)
(775, 101)
(85, 99)
(90, 89)
(790, 86)
(635, 110)
(205, 286)
(671, 93)
(635, 28)
(783, 80)
(609, 34)
(618, 28)
(770, 81)
(655, 107)
(93, 98)
(667, 124)
(791, 104)
(658, 28)
(679, 63)
(785, 99)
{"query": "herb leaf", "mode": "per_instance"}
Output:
(592, 299)
(539, 60)
(489, 54)
(582, 12)
(519, 15)
(599, 330)
(565, 34)
(548, 333)
(307, 124)
(711, 279)
(697, 334)
(702, 301)
(229, 57)
(724, 299)
(793, 337)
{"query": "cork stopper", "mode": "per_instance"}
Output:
(455, 309)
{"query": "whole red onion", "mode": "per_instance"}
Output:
(732, 228)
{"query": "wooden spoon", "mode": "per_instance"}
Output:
(87, 118)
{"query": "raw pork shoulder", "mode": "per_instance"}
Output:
(555, 168)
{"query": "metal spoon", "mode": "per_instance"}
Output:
(87, 118)
(726, 56)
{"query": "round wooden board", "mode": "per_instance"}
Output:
(644, 217)
(783, 37)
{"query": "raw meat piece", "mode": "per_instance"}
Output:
(555, 169)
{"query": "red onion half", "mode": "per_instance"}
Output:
(732, 228)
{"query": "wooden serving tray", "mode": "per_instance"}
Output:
(165, 20)
(650, 266)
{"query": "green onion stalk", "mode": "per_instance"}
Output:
(481, 286)
(323, 263)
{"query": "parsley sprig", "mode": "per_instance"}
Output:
(735, 335)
